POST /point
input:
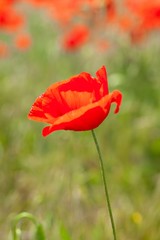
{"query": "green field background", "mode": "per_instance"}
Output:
(57, 179)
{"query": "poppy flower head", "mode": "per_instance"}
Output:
(23, 41)
(148, 13)
(10, 20)
(75, 38)
(79, 103)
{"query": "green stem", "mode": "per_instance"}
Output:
(105, 185)
(16, 231)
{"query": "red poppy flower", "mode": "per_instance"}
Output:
(148, 13)
(75, 38)
(80, 103)
(10, 19)
(23, 41)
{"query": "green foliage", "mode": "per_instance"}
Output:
(17, 232)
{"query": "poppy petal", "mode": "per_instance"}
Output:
(87, 117)
(70, 94)
(102, 78)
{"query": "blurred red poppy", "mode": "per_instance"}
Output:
(10, 20)
(110, 7)
(147, 17)
(65, 10)
(80, 103)
(23, 41)
(74, 39)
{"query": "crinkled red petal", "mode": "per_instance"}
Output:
(65, 96)
(87, 117)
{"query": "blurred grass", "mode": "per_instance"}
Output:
(57, 178)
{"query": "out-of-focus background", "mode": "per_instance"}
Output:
(57, 178)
